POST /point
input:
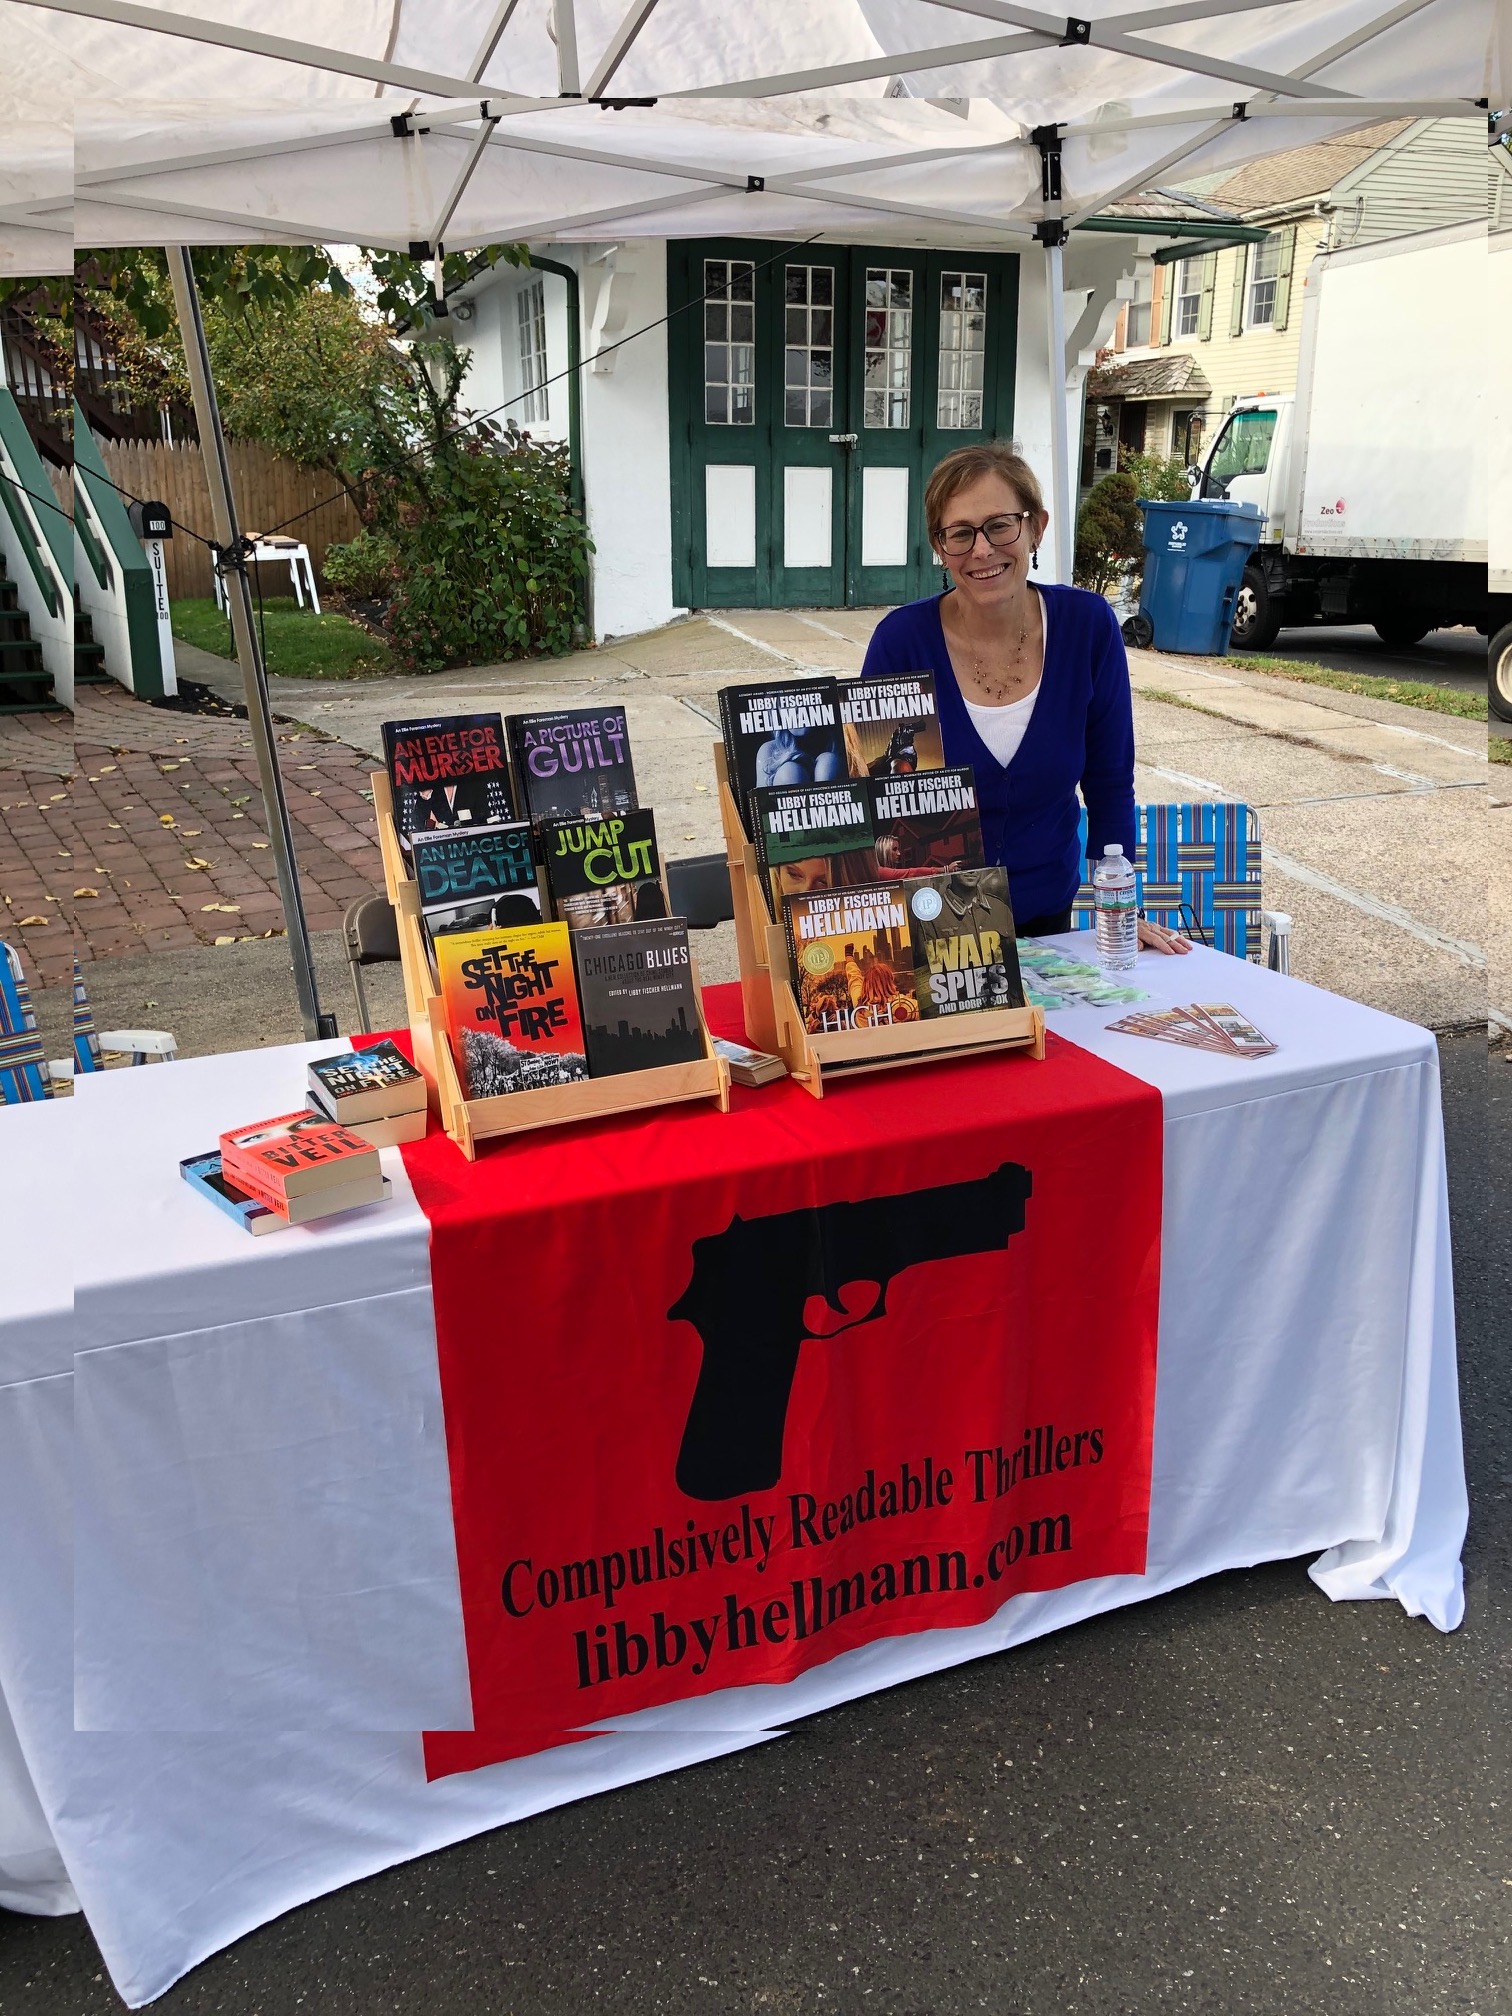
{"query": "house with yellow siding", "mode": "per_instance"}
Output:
(1209, 325)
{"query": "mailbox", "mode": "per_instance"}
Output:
(151, 521)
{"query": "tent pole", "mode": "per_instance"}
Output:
(239, 600)
(1062, 489)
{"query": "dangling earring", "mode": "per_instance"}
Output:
(1034, 563)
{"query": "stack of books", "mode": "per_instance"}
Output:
(377, 1094)
(287, 1171)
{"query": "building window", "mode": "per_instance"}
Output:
(530, 306)
(1188, 297)
(730, 342)
(1265, 269)
(1137, 322)
(963, 349)
(808, 310)
(888, 369)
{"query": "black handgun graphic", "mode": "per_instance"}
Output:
(746, 1300)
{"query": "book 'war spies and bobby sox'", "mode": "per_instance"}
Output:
(447, 773)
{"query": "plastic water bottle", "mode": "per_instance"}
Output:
(1117, 919)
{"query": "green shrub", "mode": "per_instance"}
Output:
(1109, 531)
(1160, 477)
(492, 565)
(364, 567)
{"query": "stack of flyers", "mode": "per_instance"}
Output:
(1205, 1025)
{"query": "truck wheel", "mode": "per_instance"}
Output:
(1499, 669)
(1400, 631)
(1257, 614)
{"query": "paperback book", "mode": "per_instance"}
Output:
(852, 953)
(1204, 1025)
(636, 985)
(448, 772)
(476, 881)
(573, 765)
(204, 1175)
(748, 1066)
(371, 1084)
(926, 824)
(781, 734)
(965, 954)
(604, 871)
(892, 724)
(295, 1156)
(511, 1006)
(812, 836)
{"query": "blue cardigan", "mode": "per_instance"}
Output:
(1080, 733)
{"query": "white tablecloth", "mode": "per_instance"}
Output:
(228, 1594)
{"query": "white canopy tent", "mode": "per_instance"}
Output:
(418, 123)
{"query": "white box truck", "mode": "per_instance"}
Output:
(1372, 477)
(1498, 327)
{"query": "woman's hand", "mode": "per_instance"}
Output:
(1156, 938)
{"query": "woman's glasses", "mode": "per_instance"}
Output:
(1001, 531)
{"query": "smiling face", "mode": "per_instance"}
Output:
(989, 578)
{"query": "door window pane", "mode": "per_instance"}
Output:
(530, 307)
(963, 342)
(1243, 451)
(887, 368)
(808, 372)
(730, 342)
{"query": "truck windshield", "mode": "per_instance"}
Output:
(1243, 450)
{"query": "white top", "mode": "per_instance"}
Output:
(1004, 728)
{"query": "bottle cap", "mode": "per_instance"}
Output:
(1113, 847)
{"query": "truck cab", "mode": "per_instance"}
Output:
(1250, 461)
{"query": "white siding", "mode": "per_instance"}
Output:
(1433, 174)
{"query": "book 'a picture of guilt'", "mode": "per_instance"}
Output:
(892, 725)
(964, 947)
(511, 1009)
(446, 773)
(574, 764)
(636, 984)
(603, 871)
(476, 880)
(853, 962)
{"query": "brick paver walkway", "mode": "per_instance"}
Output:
(136, 829)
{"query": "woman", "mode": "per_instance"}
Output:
(1032, 684)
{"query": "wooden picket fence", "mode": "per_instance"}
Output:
(268, 490)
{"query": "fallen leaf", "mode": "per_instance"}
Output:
(171, 766)
(64, 854)
(114, 825)
(238, 815)
(700, 787)
(317, 794)
(194, 861)
(225, 941)
(56, 796)
(166, 819)
(262, 843)
(106, 768)
(191, 832)
(86, 892)
(220, 906)
(690, 836)
(35, 921)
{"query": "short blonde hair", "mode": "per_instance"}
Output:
(981, 458)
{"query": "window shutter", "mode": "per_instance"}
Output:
(1236, 300)
(1205, 305)
(1165, 294)
(1284, 276)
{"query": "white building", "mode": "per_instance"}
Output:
(758, 420)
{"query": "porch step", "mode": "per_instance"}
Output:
(89, 657)
(25, 685)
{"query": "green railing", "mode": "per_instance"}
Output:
(26, 537)
(88, 539)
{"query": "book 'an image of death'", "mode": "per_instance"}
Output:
(635, 982)
(476, 880)
(574, 764)
(449, 772)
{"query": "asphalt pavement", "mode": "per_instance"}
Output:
(1237, 1798)
(1444, 658)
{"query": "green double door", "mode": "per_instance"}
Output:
(812, 390)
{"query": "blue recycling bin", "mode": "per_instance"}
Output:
(1195, 555)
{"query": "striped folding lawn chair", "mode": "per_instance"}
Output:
(1199, 873)
(23, 1072)
(86, 1044)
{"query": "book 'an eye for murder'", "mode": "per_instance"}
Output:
(781, 734)
(636, 983)
(573, 765)
(853, 961)
(926, 823)
(476, 881)
(964, 948)
(603, 871)
(892, 724)
(511, 1008)
(448, 772)
(813, 836)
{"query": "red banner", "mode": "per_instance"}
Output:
(728, 1395)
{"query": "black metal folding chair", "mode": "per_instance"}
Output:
(371, 935)
(698, 888)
